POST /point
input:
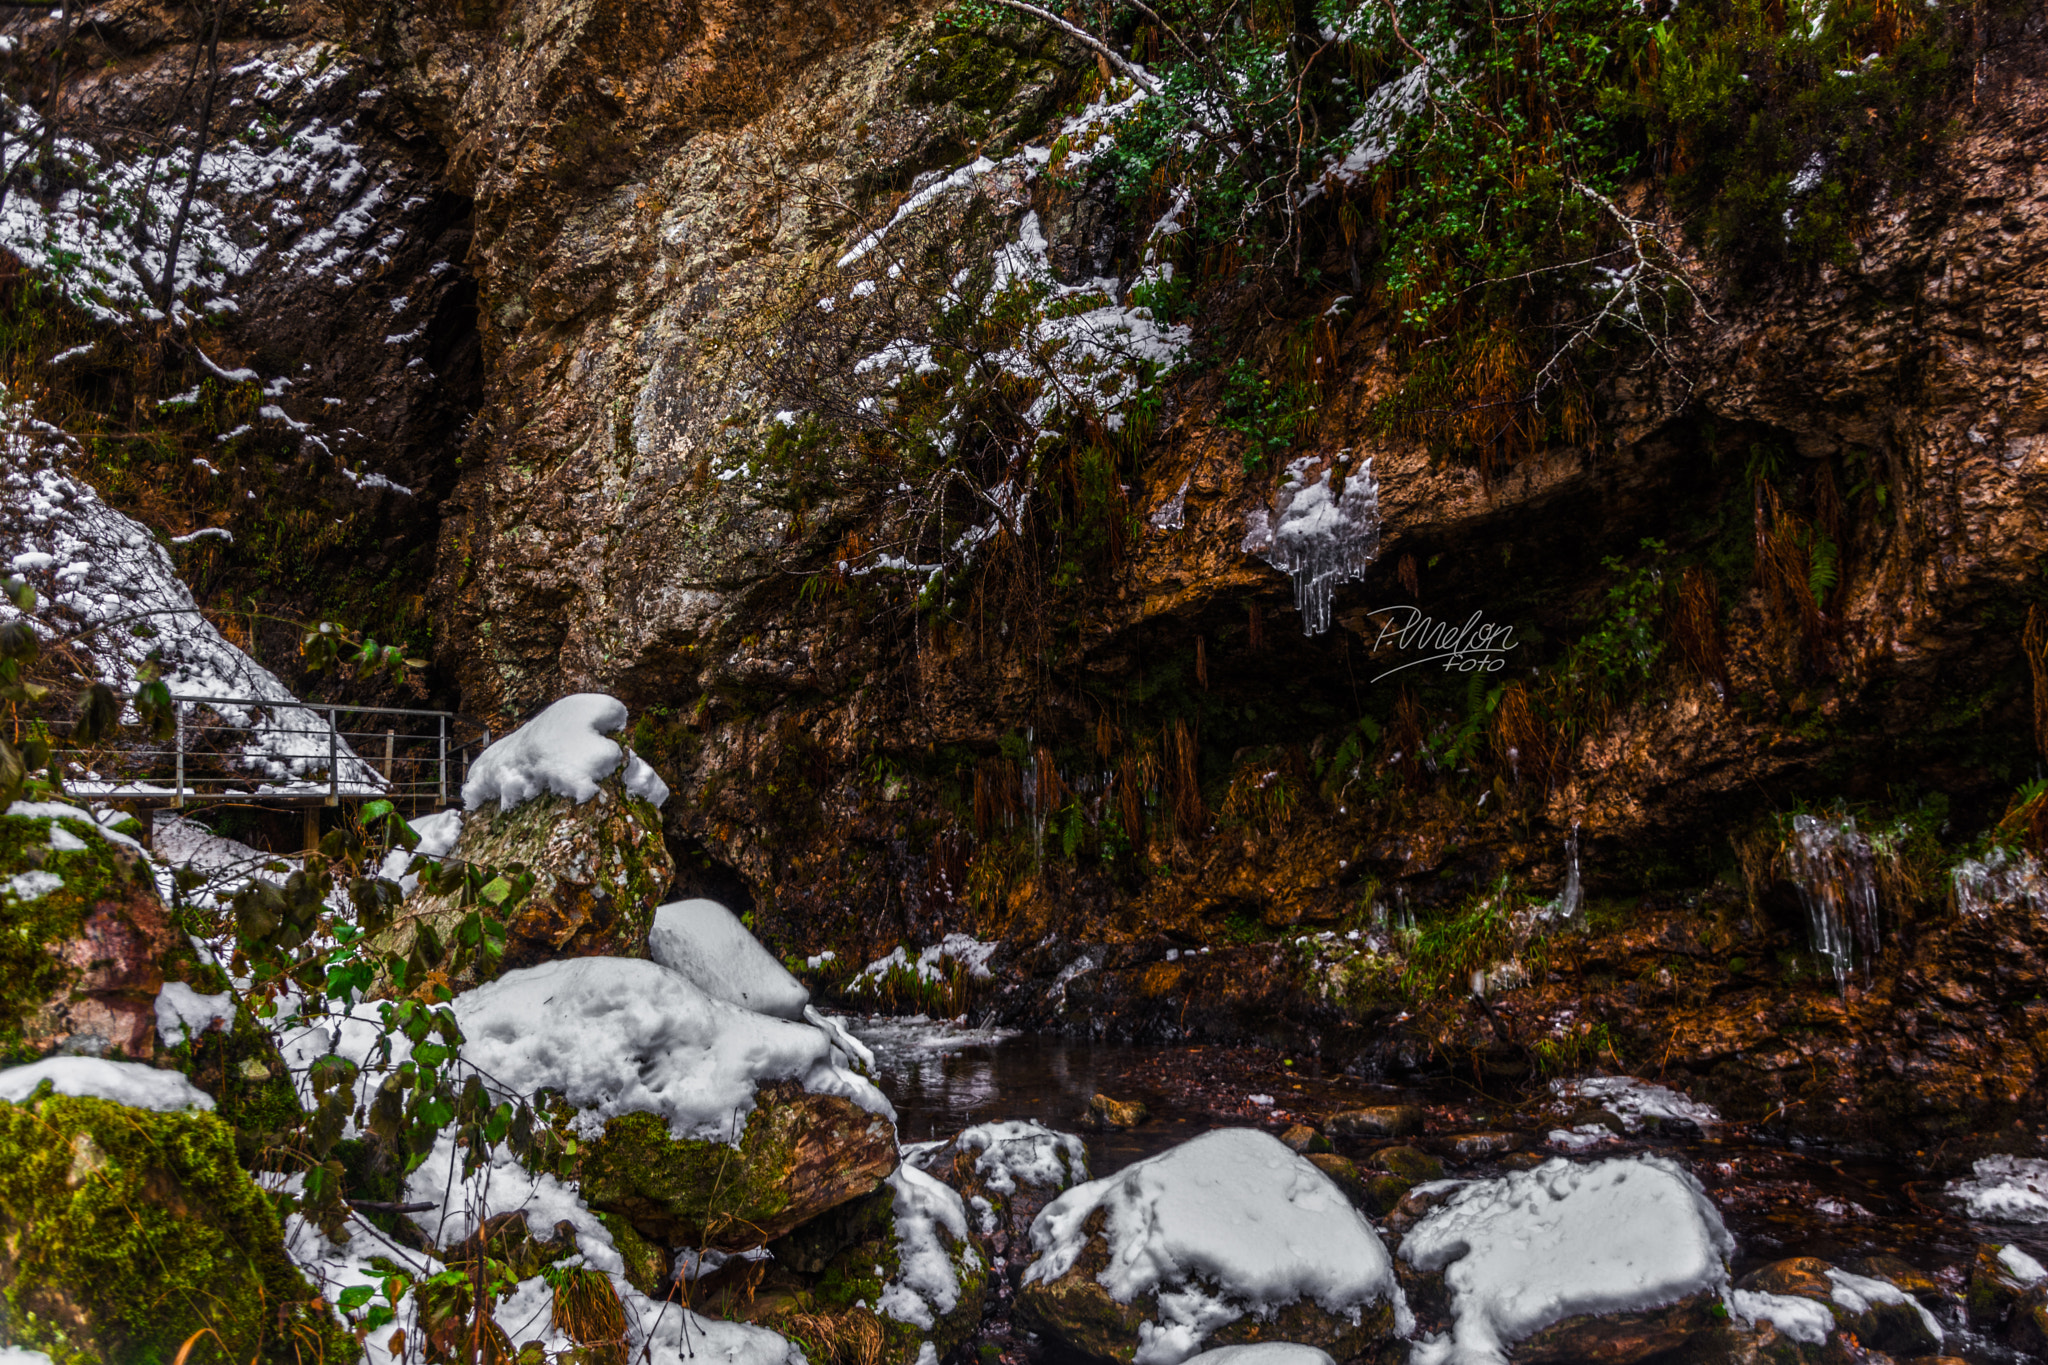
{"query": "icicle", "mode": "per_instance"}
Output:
(1837, 879)
(1172, 514)
(2000, 879)
(1317, 537)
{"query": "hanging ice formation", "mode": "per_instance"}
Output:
(2000, 878)
(1317, 535)
(1836, 874)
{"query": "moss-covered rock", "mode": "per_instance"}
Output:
(127, 1231)
(800, 1155)
(84, 939)
(600, 869)
(852, 1262)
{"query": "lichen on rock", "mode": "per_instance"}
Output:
(84, 939)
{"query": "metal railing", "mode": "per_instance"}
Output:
(292, 753)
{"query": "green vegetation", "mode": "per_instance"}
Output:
(145, 1226)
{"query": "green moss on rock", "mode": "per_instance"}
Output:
(129, 1230)
(601, 868)
(800, 1155)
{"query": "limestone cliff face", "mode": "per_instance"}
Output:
(654, 190)
(1827, 485)
(647, 186)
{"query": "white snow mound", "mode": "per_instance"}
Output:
(707, 943)
(129, 1083)
(180, 1011)
(1265, 1353)
(618, 1036)
(2006, 1189)
(1535, 1247)
(1234, 1210)
(564, 750)
(1803, 1320)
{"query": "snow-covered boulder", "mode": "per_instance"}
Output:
(1228, 1239)
(561, 798)
(700, 1123)
(1007, 1173)
(85, 942)
(707, 943)
(1538, 1248)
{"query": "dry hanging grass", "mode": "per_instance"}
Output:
(1184, 779)
(587, 1311)
(1696, 627)
(1521, 740)
(850, 1338)
(2034, 643)
(1785, 570)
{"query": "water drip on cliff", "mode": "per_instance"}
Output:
(1836, 874)
(1318, 535)
(1572, 895)
(2000, 878)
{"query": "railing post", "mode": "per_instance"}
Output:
(333, 758)
(444, 760)
(390, 738)
(178, 712)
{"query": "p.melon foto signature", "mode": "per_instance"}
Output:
(1478, 646)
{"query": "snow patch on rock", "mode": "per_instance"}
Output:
(564, 750)
(1535, 1247)
(1025, 1152)
(706, 942)
(182, 1012)
(129, 1083)
(1233, 1209)
(2005, 1189)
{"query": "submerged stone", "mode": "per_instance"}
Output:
(1380, 1121)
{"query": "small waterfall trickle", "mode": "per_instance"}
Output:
(1572, 896)
(1836, 873)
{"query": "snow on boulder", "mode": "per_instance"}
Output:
(2005, 1189)
(1006, 1172)
(1230, 1238)
(579, 812)
(1536, 1247)
(707, 943)
(129, 1083)
(565, 750)
(937, 1265)
(1807, 1299)
(1265, 1353)
(702, 1123)
(619, 1036)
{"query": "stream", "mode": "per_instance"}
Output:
(1779, 1199)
